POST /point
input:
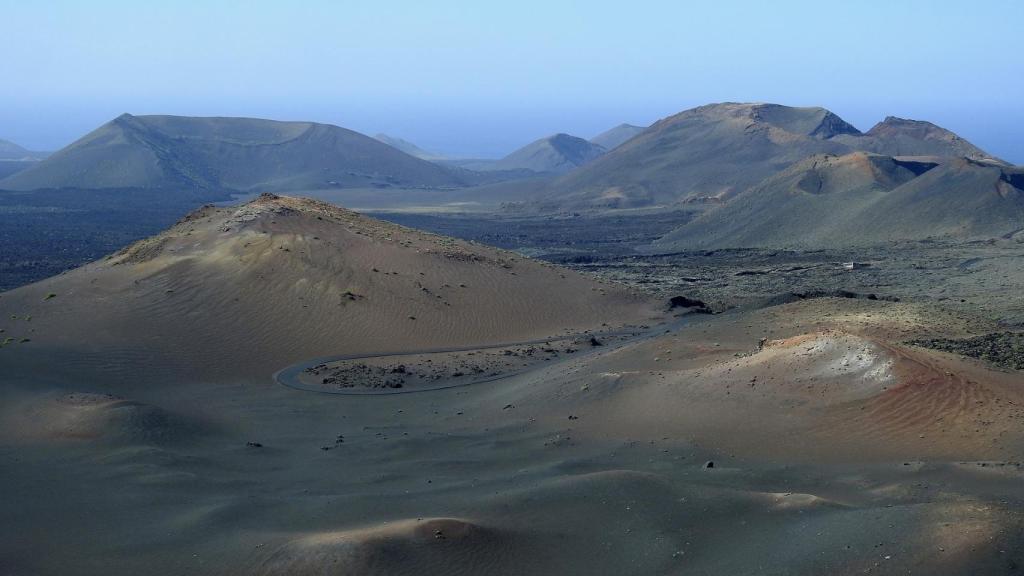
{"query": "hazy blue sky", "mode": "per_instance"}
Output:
(481, 78)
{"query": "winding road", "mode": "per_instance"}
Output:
(290, 376)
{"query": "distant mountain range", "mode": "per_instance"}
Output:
(617, 136)
(756, 174)
(772, 175)
(409, 148)
(900, 137)
(14, 158)
(714, 152)
(863, 198)
(11, 151)
(239, 154)
(556, 154)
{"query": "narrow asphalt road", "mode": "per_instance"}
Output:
(289, 376)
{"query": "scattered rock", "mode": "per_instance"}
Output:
(684, 302)
(1004, 349)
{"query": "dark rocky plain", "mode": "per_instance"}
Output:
(976, 278)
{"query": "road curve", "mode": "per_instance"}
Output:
(289, 376)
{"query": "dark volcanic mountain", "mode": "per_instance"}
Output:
(11, 151)
(14, 158)
(244, 154)
(860, 199)
(617, 136)
(708, 152)
(558, 153)
(714, 152)
(900, 137)
(408, 147)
